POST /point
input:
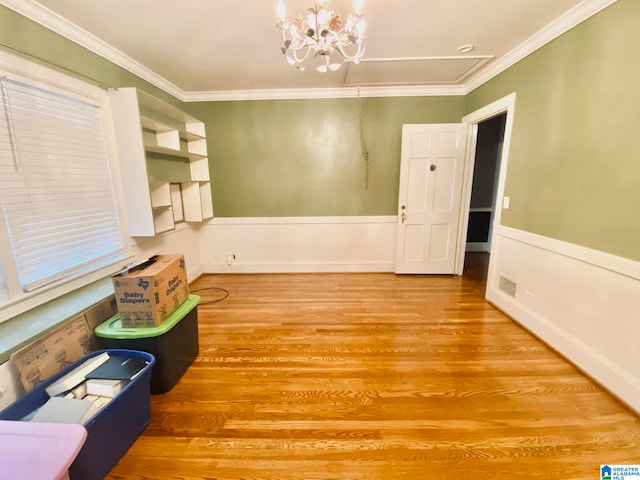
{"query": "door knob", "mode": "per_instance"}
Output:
(432, 167)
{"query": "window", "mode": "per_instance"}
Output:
(59, 219)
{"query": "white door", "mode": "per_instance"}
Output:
(431, 174)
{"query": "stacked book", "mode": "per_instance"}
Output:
(81, 393)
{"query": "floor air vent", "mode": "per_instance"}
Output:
(507, 286)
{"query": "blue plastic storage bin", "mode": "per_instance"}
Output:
(112, 430)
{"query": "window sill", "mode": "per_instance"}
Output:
(23, 329)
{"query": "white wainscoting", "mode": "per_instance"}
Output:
(582, 302)
(184, 239)
(299, 244)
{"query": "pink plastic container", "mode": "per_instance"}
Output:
(38, 451)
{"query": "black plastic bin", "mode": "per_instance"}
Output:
(173, 343)
(112, 430)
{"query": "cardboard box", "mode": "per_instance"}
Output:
(148, 293)
(53, 352)
(101, 311)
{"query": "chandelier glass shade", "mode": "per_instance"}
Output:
(321, 32)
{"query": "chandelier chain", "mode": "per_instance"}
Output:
(362, 133)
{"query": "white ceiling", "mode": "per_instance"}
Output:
(207, 48)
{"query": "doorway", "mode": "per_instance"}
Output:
(488, 152)
(485, 179)
(499, 117)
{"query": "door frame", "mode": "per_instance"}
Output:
(503, 105)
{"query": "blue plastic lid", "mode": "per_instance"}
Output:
(112, 328)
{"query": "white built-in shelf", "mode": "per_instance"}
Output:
(155, 125)
(160, 194)
(176, 202)
(146, 125)
(163, 219)
(197, 202)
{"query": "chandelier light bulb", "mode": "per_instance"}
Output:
(321, 32)
(282, 10)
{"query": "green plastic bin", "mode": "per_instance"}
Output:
(173, 343)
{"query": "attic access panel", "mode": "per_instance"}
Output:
(413, 71)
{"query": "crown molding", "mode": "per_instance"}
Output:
(324, 93)
(562, 24)
(49, 19)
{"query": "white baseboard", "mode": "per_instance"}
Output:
(292, 267)
(183, 239)
(581, 302)
(299, 244)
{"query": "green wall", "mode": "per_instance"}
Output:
(34, 40)
(303, 158)
(273, 158)
(574, 166)
(574, 162)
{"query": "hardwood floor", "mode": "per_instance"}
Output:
(476, 267)
(374, 376)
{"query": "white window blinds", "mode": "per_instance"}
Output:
(55, 185)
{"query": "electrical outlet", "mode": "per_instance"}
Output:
(231, 258)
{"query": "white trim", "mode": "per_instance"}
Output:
(419, 59)
(60, 25)
(318, 93)
(32, 300)
(51, 78)
(581, 302)
(505, 104)
(49, 19)
(303, 220)
(299, 244)
(617, 380)
(300, 267)
(620, 265)
(559, 26)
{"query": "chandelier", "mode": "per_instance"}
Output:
(319, 33)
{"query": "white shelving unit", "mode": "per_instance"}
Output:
(147, 128)
(196, 194)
